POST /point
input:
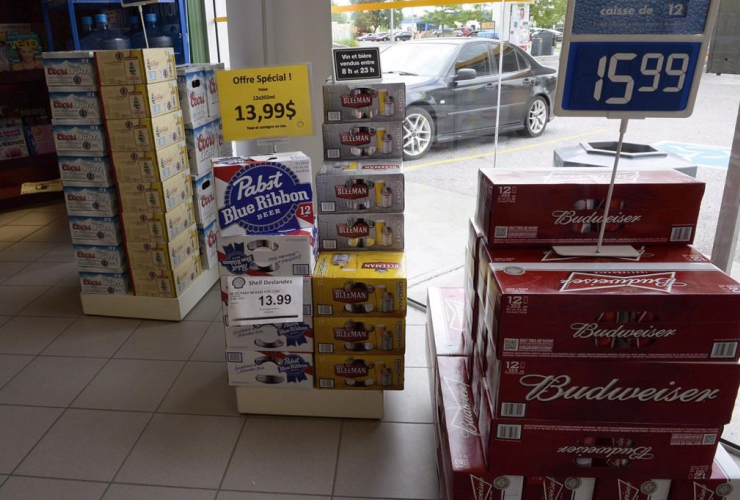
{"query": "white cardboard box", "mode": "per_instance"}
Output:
(204, 199)
(290, 253)
(284, 370)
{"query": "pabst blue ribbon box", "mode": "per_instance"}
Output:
(264, 194)
(566, 206)
(288, 370)
(297, 336)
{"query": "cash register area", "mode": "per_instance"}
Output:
(111, 408)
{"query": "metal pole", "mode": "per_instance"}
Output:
(498, 98)
(143, 26)
(390, 35)
(728, 225)
(622, 131)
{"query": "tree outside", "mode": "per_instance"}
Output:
(548, 13)
(370, 21)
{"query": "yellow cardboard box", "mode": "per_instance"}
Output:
(145, 134)
(166, 283)
(135, 66)
(360, 284)
(139, 101)
(157, 255)
(146, 226)
(360, 372)
(151, 166)
(157, 197)
(359, 336)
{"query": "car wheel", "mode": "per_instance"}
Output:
(418, 133)
(535, 120)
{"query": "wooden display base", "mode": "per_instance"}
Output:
(130, 306)
(310, 403)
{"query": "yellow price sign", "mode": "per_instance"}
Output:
(259, 103)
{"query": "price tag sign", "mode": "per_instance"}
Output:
(633, 58)
(258, 103)
(255, 300)
(360, 63)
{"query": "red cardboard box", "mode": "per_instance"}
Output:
(565, 206)
(560, 488)
(722, 484)
(445, 327)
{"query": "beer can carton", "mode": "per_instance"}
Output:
(163, 256)
(722, 482)
(363, 141)
(628, 310)
(225, 147)
(360, 284)
(193, 91)
(360, 102)
(295, 336)
(566, 206)
(204, 199)
(158, 227)
(75, 102)
(105, 283)
(307, 299)
(81, 168)
(264, 194)
(135, 66)
(207, 237)
(122, 102)
(145, 134)
(71, 136)
(204, 144)
(636, 488)
(368, 372)
(445, 325)
(91, 201)
(67, 68)
(355, 232)
(151, 166)
(212, 87)
(587, 488)
(361, 186)
(170, 283)
(159, 197)
(286, 253)
(96, 231)
(100, 258)
(360, 336)
(275, 370)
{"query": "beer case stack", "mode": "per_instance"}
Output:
(86, 172)
(359, 285)
(146, 139)
(588, 378)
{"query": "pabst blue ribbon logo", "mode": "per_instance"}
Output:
(237, 261)
(262, 198)
(295, 367)
(294, 333)
(653, 282)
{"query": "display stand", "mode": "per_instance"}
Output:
(131, 306)
(310, 403)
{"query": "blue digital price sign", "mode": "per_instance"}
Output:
(633, 58)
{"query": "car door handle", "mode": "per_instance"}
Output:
(491, 85)
(528, 81)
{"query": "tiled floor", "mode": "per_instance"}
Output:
(122, 409)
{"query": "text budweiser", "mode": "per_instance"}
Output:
(564, 217)
(636, 453)
(592, 330)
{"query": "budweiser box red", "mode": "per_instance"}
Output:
(723, 483)
(357, 141)
(361, 187)
(565, 206)
(665, 308)
(362, 101)
(377, 232)
(564, 488)
(445, 322)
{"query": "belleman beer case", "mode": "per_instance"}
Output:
(362, 186)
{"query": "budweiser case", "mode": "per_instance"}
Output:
(360, 372)
(96, 231)
(368, 140)
(361, 186)
(380, 232)
(296, 336)
(287, 370)
(565, 206)
(722, 483)
(263, 194)
(360, 336)
(150, 166)
(287, 253)
(576, 488)
(359, 102)
(360, 284)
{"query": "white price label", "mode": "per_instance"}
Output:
(258, 299)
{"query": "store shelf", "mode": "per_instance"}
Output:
(130, 306)
(310, 403)
(18, 77)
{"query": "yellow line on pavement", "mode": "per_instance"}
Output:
(510, 150)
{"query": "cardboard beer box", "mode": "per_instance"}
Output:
(204, 144)
(135, 66)
(275, 370)
(81, 168)
(307, 299)
(360, 336)
(297, 336)
(360, 284)
(580, 488)
(145, 134)
(369, 372)
(722, 483)
(151, 166)
(565, 206)
(193, 92)
(207, 237)
(287, 253)
(369, 141)
(633, 488)
(170, 283)
(611, 310)
(364, 186)
(157, 227)
(446, 335)
(212, 87)
(152, 255)
(70, 136)
(96, 231)
(91, 201)
(75, 102)
(348, 232)
(101, 258)
(122, 102)
(264, 194)
(70, 68)
(204, 199)
(362, 101)
(159, 197)
(104, 283)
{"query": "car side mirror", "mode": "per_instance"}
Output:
(465, 74)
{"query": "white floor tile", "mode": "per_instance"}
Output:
(135, 492)
(41, 274)
(20, 429)
(201, 389)
(10, 216)
(416, 345)
(25, 251)
(92, 336)
(16, 233)
(415, 316)
(26, 335)
(35, 488)
(164, 340)
(57, 301)
(213, 344)
(413, 404)
(208, 308)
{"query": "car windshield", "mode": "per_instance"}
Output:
(425, 59)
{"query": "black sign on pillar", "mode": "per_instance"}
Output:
(359, 63)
